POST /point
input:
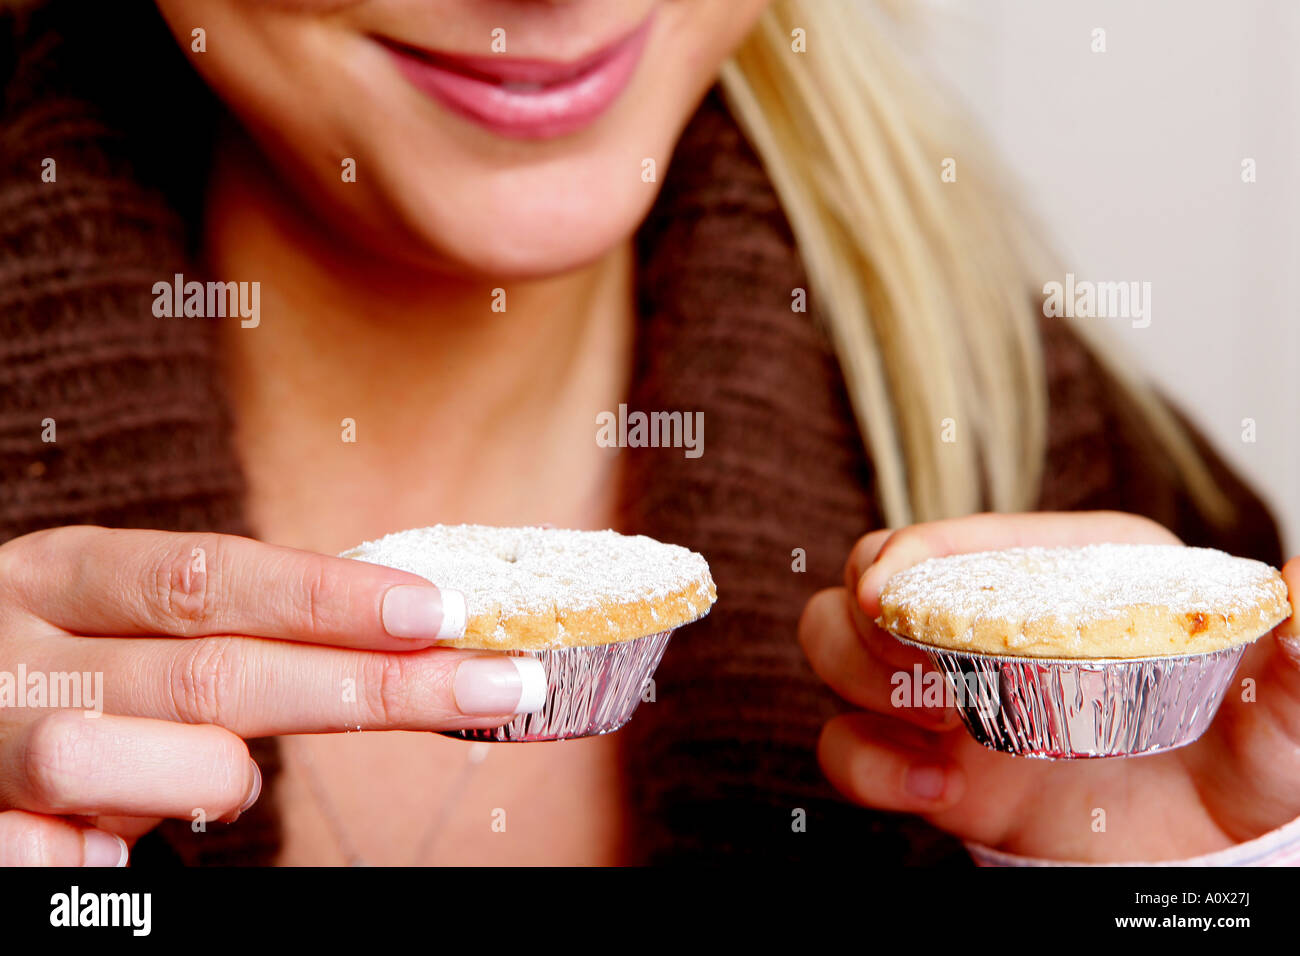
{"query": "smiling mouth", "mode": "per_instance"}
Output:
(524, 98)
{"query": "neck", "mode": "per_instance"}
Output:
(469, 387)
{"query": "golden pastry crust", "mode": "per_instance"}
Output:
(1097, 601)
(540, 588)
(587, 627)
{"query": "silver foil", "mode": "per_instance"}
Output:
(589, 691)
(1061, 709)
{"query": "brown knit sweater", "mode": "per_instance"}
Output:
(720, 760)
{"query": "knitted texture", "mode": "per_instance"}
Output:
(141, 436)
(721, 765)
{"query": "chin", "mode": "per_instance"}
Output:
(524, 257)
(530, 231)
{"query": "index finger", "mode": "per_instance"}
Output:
(991, 532)
(91, 580)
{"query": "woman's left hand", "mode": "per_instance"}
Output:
(1240, 780)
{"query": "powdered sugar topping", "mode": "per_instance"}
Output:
(1083, 584)
(527, 570)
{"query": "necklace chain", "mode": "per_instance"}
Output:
(300, 753)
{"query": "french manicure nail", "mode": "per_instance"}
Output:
(500, 685)
(254, 789)
(424, 611)
(103, 849)
(926, 783)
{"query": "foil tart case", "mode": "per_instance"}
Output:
(589, 691)
(1069, 708)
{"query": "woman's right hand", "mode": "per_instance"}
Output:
(203, 640)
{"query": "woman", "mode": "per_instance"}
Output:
(469, 241)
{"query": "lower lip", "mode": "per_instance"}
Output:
(550, 111)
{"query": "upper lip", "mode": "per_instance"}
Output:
(503, 70)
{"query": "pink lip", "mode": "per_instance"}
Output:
(525, 99)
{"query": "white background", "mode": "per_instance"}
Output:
(1132, 158)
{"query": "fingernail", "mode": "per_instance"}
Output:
(925, 783)
(254, 789)
(500, 685)
(103, 849)
(424, 611)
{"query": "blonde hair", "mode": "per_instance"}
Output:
(924, 286)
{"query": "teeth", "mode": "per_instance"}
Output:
(522, 87)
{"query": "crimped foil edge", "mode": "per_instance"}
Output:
(1017, 658)
(589, 691)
